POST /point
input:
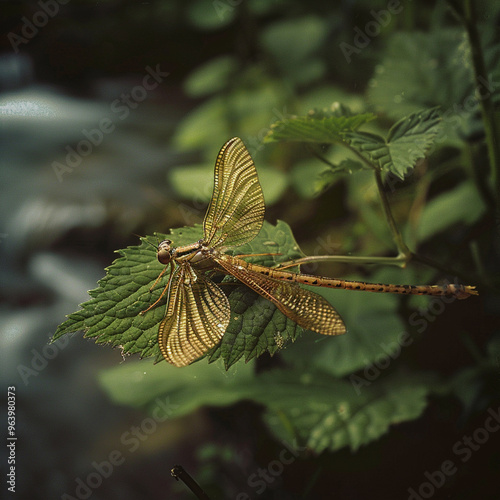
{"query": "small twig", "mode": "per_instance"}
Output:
(348, 259)
(396, 235)
(178, 472)
(320, 157)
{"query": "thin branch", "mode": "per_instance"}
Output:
(396, 235)
(178, 472)
(486, 101)
(347, 259)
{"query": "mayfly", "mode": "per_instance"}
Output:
(198, 311)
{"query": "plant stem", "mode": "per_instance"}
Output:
(178, 472)
(399, 260)
(485, 102)
(396, 235)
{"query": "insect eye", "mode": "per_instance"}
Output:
(164, 252)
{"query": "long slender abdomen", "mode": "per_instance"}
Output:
(452, 289)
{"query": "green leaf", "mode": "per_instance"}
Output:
(329, 414)
(179, 392)
(212, 77)
(461, 205)
(326, 127)
(323, 412)
(112, 315)
(293, 43)
(305, 176)
(422, 70)
(477, 385)
(211, 15)
(256, 326)
(205, 126)
(407, 141)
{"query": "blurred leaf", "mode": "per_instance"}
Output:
(435, 68)
(422, 70)
(144, 384)
(211, 15)
(305, 176)
(112, 315)
(477, 385)
(211, 77)
(463, 205)
(318, 96)
(246, 111)
(324, 412)
(328, 414)
(261, 7)
(206, 125)
(195, 182)
(364, 200)
(293, 42)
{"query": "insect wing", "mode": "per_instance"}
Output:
(236, 210)
(197, 316)
(306, 308)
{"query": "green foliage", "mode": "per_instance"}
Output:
(461, 205)
(323, 412)
(327, 414)
(323, 126)
(293, 43)
(211, 77)
(406, 142)
(113, 316)
(316, 389)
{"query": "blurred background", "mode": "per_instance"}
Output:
(112, 114)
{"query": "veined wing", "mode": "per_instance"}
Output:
(197, 316)
(306, 308)
(236, 210)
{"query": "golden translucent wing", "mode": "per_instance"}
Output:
(306, 308)
(236, 210)
(197, 316)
